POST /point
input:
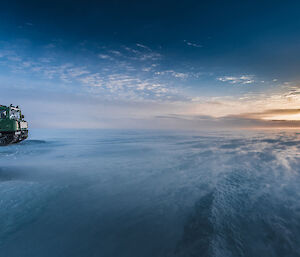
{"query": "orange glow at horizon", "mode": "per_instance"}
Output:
(287, 117)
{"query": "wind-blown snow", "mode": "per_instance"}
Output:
(146, 193)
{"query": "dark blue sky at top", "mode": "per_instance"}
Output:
(224, 38)
(255, 35)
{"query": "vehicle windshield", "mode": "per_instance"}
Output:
(2, 114)
(14, 114)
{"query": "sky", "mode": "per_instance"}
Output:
(152, 64)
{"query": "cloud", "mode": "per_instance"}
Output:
(77, 72)
(173, 73)
(105, 57)
(192, 44)
(124, 86)
(115, 52)
(142, 55)
(275, 115)
(293, 92)
(14, 58)
(147, 69)
(122, 77)
(132, 50)
(204, 122)
(273, 118)
(148, 56)
(243, 79)
(143, 46)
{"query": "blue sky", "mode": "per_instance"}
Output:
(153, 64)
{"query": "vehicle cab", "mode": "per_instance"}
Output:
(13, 127)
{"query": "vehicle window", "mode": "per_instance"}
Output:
(2, 114)
(15, 115)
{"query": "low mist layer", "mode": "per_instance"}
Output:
(147, 193)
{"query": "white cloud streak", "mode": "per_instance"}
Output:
(243, 79)
(192, 44)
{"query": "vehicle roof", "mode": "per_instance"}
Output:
(9, 107)
(3, 107)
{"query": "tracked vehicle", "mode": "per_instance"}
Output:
(13, 127)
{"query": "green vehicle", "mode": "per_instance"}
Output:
(13, 127)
